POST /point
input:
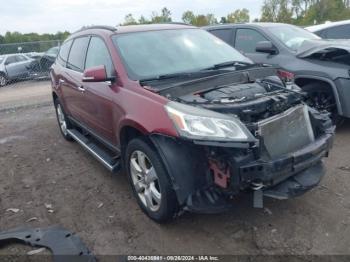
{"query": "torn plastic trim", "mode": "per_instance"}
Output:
(185, 162)
(298, 184)
(64, 245)
(275, 171)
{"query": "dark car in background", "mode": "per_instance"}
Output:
(191, 120)
(332, 30)
(40, 68)
(319, 67)
(14, 67)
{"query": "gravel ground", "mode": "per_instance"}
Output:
(38, 167)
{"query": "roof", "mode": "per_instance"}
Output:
(136, 28)
(316, 28)
(259, 24)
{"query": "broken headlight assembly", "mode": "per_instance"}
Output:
(201, 124)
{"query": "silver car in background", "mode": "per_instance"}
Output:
(14, 67)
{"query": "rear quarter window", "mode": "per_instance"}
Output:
(76, 58)
(63, 53)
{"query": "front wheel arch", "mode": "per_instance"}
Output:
(304, 81)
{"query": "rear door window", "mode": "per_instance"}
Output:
(77, 54)
(21, 58)
(246, 40)
(98, 54)
(64, 52)
(338, 32)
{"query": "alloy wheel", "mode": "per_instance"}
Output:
(2, 81)
(145, 180)
(61, 119)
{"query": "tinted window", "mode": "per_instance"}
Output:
(21, 58)
(64, 51)
(98, 55)
(77, 54)
(11, 60)
(246, 40)
(223, 34)
(321, 33)
(338, 32)
(154, 53)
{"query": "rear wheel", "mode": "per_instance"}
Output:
(63, 121)
(150, 182)
(3, 80)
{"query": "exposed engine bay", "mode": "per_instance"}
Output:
(252, 95)
(290, 137)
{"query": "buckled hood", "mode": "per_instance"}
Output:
(311, 47)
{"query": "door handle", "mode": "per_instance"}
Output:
(61, 81)
(81, 89)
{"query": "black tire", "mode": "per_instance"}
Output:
(321, 97)
(68, 123)
(168, 207)
(3, 80)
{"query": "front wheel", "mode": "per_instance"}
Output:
(3, 80)
(150, 182)
(321, 97)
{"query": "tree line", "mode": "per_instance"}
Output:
(298, 12)
(189, 17)
(17, 37)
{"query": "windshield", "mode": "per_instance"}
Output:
(155, 53)
(292, 36)
(52, 51)
(1, 59)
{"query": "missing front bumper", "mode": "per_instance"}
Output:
(298, 184)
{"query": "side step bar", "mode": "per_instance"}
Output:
(111, 162)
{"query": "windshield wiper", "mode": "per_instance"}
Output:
(230, 64)
(175, 75)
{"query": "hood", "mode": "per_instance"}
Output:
(311, 47)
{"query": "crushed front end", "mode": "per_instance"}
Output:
(280, 157)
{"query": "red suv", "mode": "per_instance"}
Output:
(191, 120)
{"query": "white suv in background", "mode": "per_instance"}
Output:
(332, 30)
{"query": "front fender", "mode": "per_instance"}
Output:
(185, 163)
(328, 81)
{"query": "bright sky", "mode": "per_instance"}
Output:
(50, 16)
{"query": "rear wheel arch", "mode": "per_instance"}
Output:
(54, 96)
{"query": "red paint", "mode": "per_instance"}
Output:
(95, 74)
(108, 108)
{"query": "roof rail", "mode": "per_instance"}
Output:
(176, 23)
(105, 27)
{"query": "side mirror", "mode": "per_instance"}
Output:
(95, 74)
(265, 47)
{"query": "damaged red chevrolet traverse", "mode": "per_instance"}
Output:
(191, 120)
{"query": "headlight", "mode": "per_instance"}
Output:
(198, 123)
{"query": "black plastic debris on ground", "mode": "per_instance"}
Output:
(64, 245)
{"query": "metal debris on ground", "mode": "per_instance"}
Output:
(13, 210)
(36, 251)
